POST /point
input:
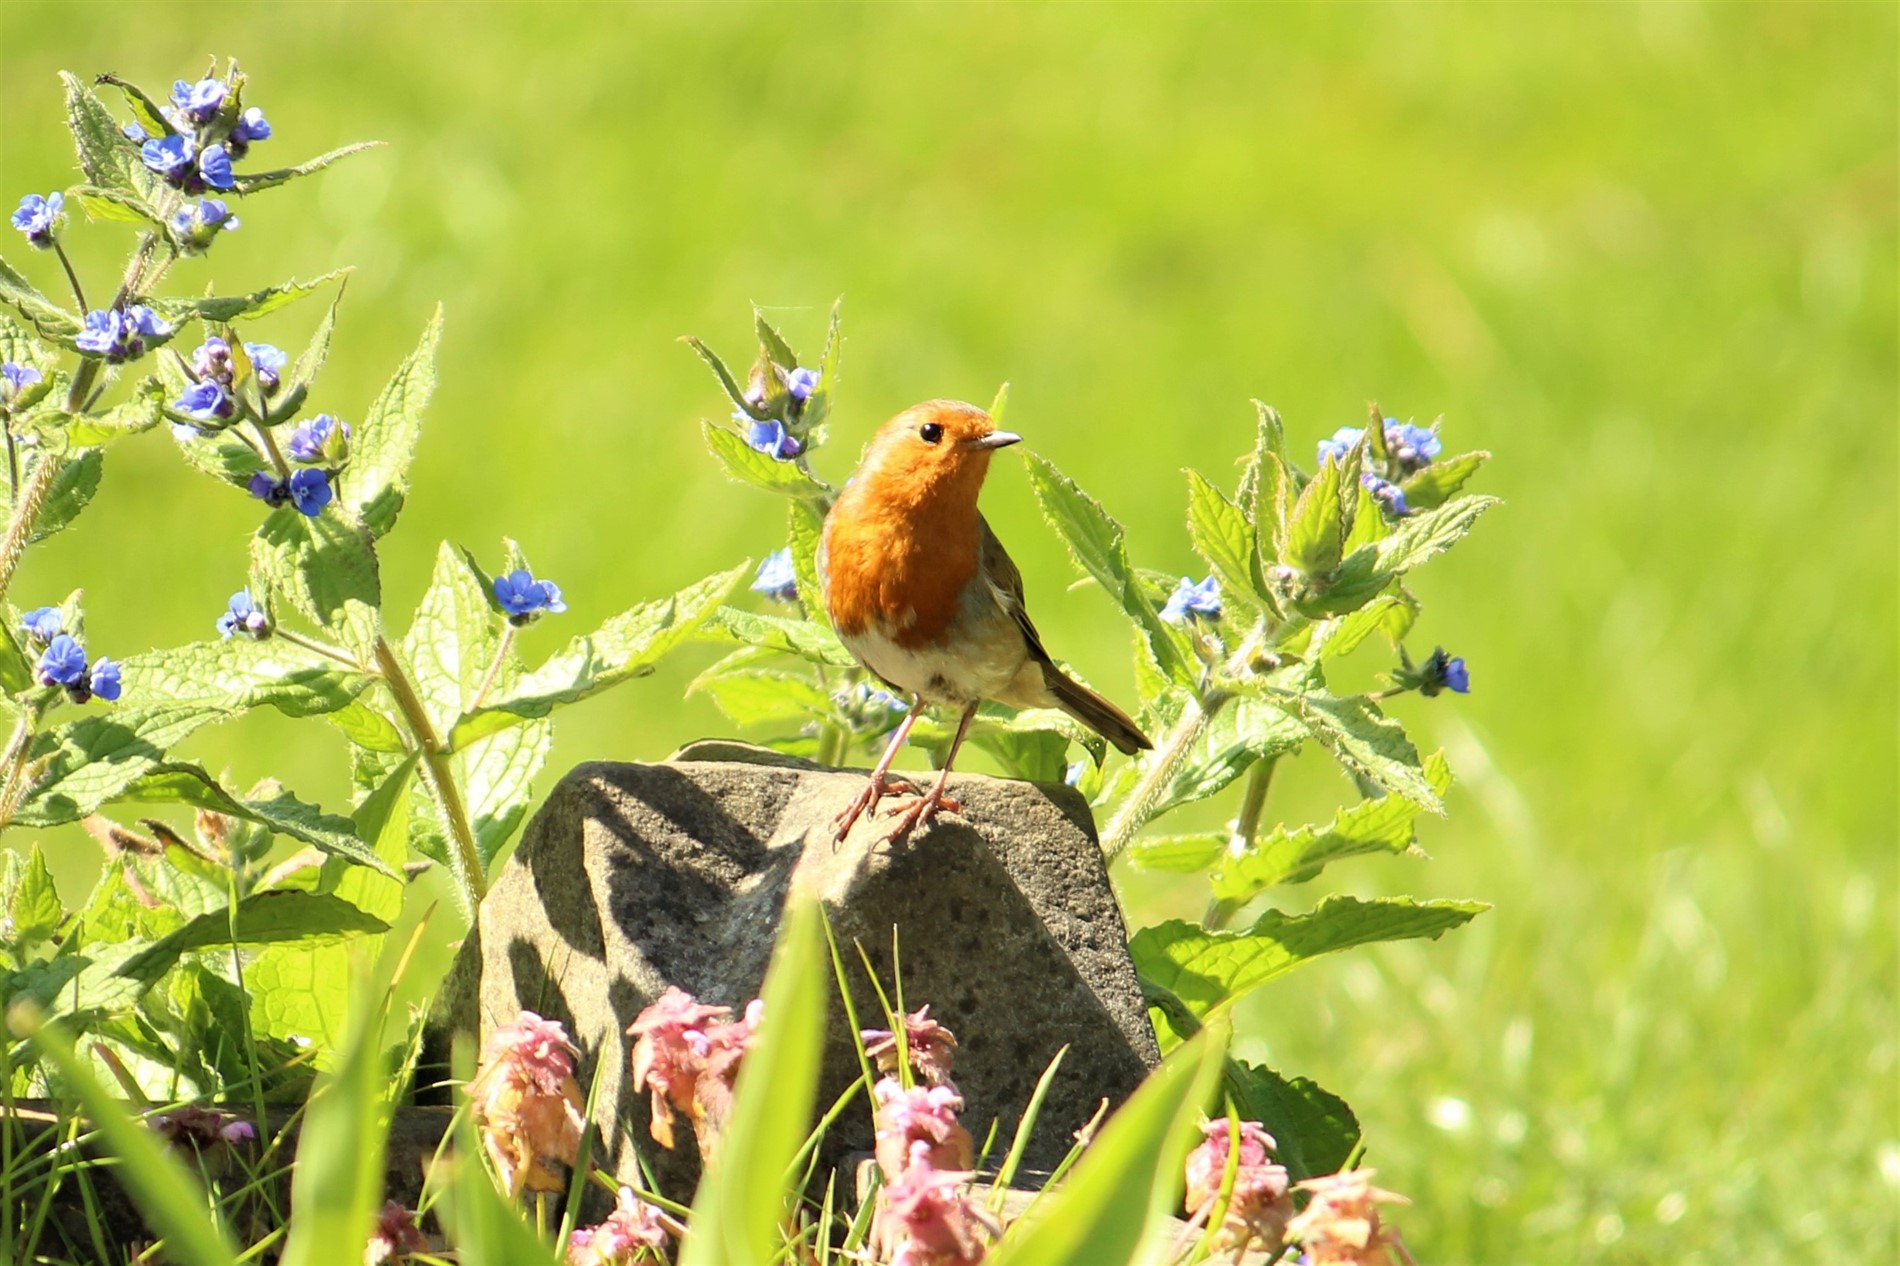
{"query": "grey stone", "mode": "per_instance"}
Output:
(633, 877)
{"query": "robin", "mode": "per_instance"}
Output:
(924, 595)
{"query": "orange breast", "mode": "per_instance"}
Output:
(898, 563)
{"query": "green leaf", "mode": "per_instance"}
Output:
(237, 674)
(626, 646)
(1207, 970)
(1241, 732)
(818, 407)
(727, 382)
(368, 728)
(221, 455)
(1421, 536)
(32, 904)
(263, 918)
(806, 531)
(107, 157)
(1368, 743)
(772, 341)
(51, 321)
(145, 410)
(149, 114)
(1179, 854)
(296, 387)
(496, 775)
(119, 205)
(748, 465)
(75, 481)
(1294, 855)
(1315, 1129)
(157, 1180)
(1119, 1199)
(762, 696)
(1344, 635)
(1316, 534)
(1095, 543)
(453, 639)
(1441, 480)
(324, 567)
(278, 811)
(806, 639)
(257, 181)
(378, 474)
(1222, 535)
(223, 309)
(745, 1193)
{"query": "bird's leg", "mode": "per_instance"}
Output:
(920, 811)
(881, 783)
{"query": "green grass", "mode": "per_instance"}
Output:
(1645, 253)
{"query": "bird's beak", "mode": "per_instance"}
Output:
(996, 439)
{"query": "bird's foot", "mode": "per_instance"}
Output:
(879, 786)
(920, 812)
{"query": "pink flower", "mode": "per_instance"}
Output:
(930, 1046)
(924, 1219)
(209, 1134)
(1340, 1225)
(627, 1235)
(394, 1236)
(1260, 1206)
(687, 1056)
(527, 1103)
(918, 1128)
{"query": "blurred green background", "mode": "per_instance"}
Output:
(1646, 253)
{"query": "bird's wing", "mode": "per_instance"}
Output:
(1006, 582)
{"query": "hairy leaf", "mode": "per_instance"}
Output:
(223, 309)
(263, 918)
(257, 181)
(1364, 740)
(378, 476)
(806, 639)
(749, 466)
(280, 812)
(325, 567)
(1222, 535)
(1440, 481)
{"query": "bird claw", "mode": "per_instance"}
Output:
(875, 789)
(920, 812)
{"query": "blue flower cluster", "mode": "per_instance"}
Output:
(776, 579)
(195, 226)
(1191, 603)
(209, 136)
(120, 336)
(62, 659)
(245, 616)
(1386, 493)
(307, 489)
(17, 378)
(524, 598)
(322, 438)
(40, 218)
(1443, 672)
(212, 398)
(769, 437)
(1409, 449)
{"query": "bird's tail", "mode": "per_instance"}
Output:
(1094, 711)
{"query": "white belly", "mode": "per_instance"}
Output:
(983, 668)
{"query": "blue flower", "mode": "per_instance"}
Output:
(207, 401)
(1412, 447)
(1072, 775)
(308, 441)
(19, 378)
(1443, 672)
(105, 679)
(268, 363)
(1341, 444)
(120, 336)
(802, 382)
(243, 614)
(39, 218)
(269, 489)
(310, 491)
(776, 579)
(1389, 495)
(43, 624)
(198, 103)
(135, 133)
(196, 226)
(251, 126)
(169, 156)
(214, 166)
(62, 663)
(213, 360)
(771, 438)
(1192, 602)
(523, 597)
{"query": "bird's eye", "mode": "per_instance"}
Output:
(930, 432)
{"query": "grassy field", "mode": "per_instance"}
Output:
(1646, 253)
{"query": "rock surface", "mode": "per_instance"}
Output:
(633, 877)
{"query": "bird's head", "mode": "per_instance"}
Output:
(937, 448)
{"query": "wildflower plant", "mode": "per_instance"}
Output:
(188, 951)
(1233, 669)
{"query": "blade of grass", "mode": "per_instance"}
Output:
(1007, 1173)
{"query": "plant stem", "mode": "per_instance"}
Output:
(324, 649)
(26, 509)
(1139, 805)
(1221, 911)
(463, 854)
(494, 667)
(13, 760)
(271, 451)
(79, 292)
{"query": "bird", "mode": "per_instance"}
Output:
(921, 592)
